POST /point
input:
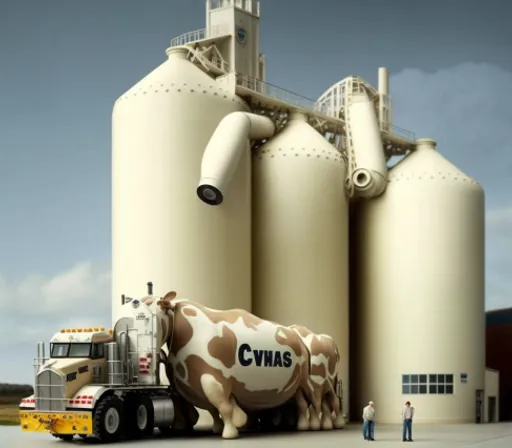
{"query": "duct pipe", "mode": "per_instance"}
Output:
(371, 176)
(225, 149)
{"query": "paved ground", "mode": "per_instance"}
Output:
(481, 436)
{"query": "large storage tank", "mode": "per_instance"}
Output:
(300, 235)
(418, 275)
(161, 231)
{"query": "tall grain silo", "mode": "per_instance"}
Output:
(161, 231)
(300, 235)
(418, 275)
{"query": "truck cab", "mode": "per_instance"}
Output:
(77, 356)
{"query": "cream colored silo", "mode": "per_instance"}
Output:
(300, 235)
(161, 231)
(418, 275)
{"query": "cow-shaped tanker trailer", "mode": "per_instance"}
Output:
(243, 370)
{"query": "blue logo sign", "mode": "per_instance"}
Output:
(263, 358)
(241, 34)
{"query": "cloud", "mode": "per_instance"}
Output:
(37, 306)
(466, 109)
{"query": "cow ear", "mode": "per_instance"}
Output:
(170, 295)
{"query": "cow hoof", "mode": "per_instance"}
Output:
(303, 425)
(230, 432)
(339, 423)
(314, 425)
(327, 424)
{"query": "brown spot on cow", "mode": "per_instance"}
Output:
(164, 327)
(290, 340)
(180, 370)
(318, 369)
(191, 312)
(182, 331)
(229, 316)
(303, 331)
(332, 365)
(317, 346)
(223, 347)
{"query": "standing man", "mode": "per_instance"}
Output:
(369, 421)
(407, 416)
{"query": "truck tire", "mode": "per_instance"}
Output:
(109, 419)
(64, 437)
(140, 416)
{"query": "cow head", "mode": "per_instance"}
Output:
(165, 303)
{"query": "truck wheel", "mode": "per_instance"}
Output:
(140, 417)
(109, 419)
(64, 437)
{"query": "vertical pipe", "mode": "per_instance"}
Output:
(383, 81)
(208, 7)
(384, 119)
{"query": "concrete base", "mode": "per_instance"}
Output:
(498, 435)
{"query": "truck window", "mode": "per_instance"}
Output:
(80, 350)
(59, 350)
(98, 351)
(73, 350)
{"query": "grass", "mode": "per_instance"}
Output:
(9, 412)
(9, 415)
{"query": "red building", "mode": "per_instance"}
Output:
(498, 342)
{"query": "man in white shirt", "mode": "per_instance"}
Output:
(407, 416)
(369, 421)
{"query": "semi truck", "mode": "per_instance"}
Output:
(107, 383)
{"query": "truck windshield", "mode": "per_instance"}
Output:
(74, 350)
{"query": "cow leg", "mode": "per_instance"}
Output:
(218, 424)
(302, 405)
(326, 414)
(315, 409)
(219, 397)
(334, 401)
(239, 416)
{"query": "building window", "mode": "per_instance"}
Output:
(432, 383)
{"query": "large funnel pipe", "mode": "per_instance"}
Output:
(371, 176)
(225, 149)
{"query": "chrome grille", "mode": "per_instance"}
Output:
(50, 391)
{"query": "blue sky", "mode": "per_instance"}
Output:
(63, 63)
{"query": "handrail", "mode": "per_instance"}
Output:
(200, 34)
(273, 91)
